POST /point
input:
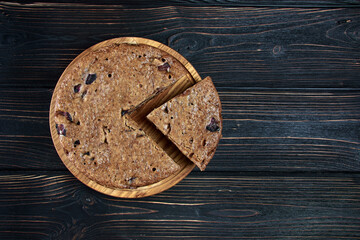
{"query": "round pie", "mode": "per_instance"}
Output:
(104, 146)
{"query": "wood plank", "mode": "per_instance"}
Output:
(264, 130)
(226, 3)
(204, 205)
(238, 47)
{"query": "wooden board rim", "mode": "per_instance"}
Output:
(123, 193)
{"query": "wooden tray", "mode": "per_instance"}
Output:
(185, 165)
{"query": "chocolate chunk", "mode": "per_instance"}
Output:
(164, 67)
(68, 117)
(58, 112)
(77, 88)
(91, 77)
(86, 153)
(83, 94)
(213, 126)
(60, 129)
(123, 112)
(166, 110)
(130, 180)
(77, 142)
(65, 114)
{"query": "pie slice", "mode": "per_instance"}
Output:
(192, 121)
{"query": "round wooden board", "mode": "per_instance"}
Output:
(185, 166)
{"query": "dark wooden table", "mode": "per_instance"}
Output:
(288, 166)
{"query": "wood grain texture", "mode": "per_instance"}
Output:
(267, 178)
(237, 47)
(204, 205)
(264, 130)
(223, 3)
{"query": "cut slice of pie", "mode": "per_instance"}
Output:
(192, 121)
